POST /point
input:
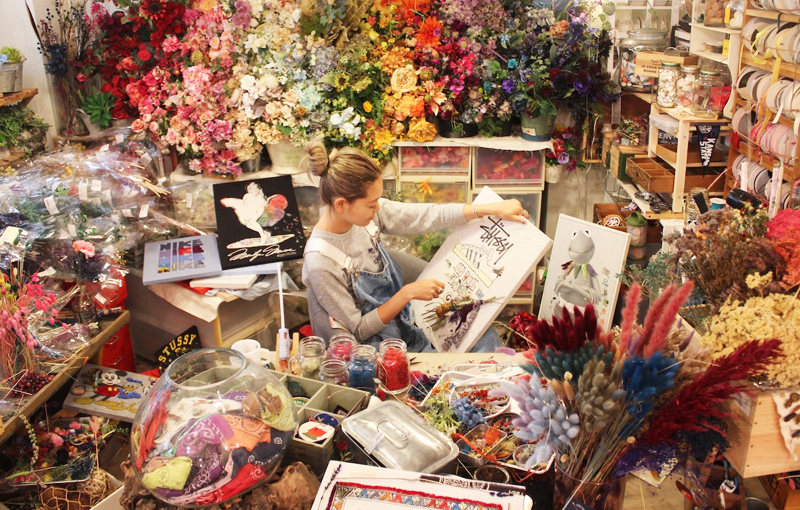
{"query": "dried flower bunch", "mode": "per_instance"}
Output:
(610, 398)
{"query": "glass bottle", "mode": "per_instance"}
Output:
(341, 346)
(734, 14)
(363, 368)
(311, 355)
(668, 84)
(707, 94)
(794, 198)
(334, 371)
(394, 369)
(689, 75)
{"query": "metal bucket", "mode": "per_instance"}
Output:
(10, 78)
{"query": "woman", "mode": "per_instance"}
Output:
(347, 268)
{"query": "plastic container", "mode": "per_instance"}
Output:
(665, 123)
(212, 407)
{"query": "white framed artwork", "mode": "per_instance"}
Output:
(585, 267)
(482, 264)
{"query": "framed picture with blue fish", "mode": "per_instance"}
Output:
(114, 394)
(258, 222)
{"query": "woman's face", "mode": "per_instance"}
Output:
(361, 211)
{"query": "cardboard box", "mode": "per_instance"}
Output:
(649, 62)
(782, 496)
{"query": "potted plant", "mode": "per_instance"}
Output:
(11, 60)
(96, 111)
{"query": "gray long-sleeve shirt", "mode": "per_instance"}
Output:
(330, 282)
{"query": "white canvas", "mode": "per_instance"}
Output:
(585, 267)
(486, 259)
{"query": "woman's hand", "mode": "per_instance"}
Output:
(510, 209)
(424, 290)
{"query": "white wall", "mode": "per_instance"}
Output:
(16, 30)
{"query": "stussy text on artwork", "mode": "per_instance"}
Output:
(495, 237)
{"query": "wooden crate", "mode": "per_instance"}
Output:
(656, 177)
(782, 496)
(618, 158)
(756, 443)
(603, 210)
(669, 152)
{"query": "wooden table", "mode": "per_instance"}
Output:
(436, 362)
(64, 376)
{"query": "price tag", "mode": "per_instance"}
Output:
(119, 138)
(11, 235)
(50, 204)
(97, 185)
(100, 299)
(48, 272)
(143, 211)
(189, 200)
(104, 148)
(73, 231)
(83, 191)
(127, 213)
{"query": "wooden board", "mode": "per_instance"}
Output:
(25, 95)
(757, 447)
(65, 376)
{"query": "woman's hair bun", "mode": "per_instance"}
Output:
(318, 161)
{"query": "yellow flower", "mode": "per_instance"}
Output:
(421, 130)
(367, 106)
(197, 56)
(424, 187)
(383, 139)
(404, 79)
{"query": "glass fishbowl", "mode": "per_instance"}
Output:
(212, 427)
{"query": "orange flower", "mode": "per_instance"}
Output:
(424, 187)
(418, 107)
(411, 6)
(430, 33)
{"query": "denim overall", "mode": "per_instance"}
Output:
(374, 289)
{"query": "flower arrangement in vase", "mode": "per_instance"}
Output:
(625, 400)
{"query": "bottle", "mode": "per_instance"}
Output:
(668, 84)
(708, 94)
(394, 369)
(334, 371)
(363, 368)
(794, 199)
(641, 39)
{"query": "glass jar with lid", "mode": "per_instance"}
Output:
(363, 368)
(734, 14)
(639, 39)
(341, 346)
(307, 362)
(708, 94)
(689, 75)
(394, 368)
(667, 95)
(715, 13)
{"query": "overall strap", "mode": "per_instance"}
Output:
(332, 252)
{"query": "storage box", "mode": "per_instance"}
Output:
(782, 496)
(603, 210)
(756, 444)
(618, 160)
(649, 62)
(656, 177)
(531, 200)
(497, 167)
(437, 190)
(435, 160)
(390, 189)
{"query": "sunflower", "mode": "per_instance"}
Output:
(341, 80)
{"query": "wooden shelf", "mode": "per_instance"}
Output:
(716, 57)
(63, 377)
(647, 97)
(722, 30)
(643, 7)
(681, 115)
(631, 190)
(790, 173)
(25, 95)
(758, 13)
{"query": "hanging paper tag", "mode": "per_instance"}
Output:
(97, 185)
(119, 138)
(775, 191)
(73, 231)
(104, 148)
(50, 204)
(143, 211)
(707, 135)
(189, 200)
(83, 191)
(48, 272)
(127, 213)
(11, 235)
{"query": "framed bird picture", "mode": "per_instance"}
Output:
(258, 222)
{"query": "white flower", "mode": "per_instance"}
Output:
(271, 81)
(336, 119)
(248, 83)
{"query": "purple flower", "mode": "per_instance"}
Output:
(509, 86)
(582, 87)
(567, 136)
(563, 158)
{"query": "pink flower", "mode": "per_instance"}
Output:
(138, 126)
(84, 247)
(56, 440)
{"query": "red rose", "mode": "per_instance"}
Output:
(554, 72)
(144, 55)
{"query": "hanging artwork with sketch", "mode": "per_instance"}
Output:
(482, 264)
(585, 267)
(258, 222)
